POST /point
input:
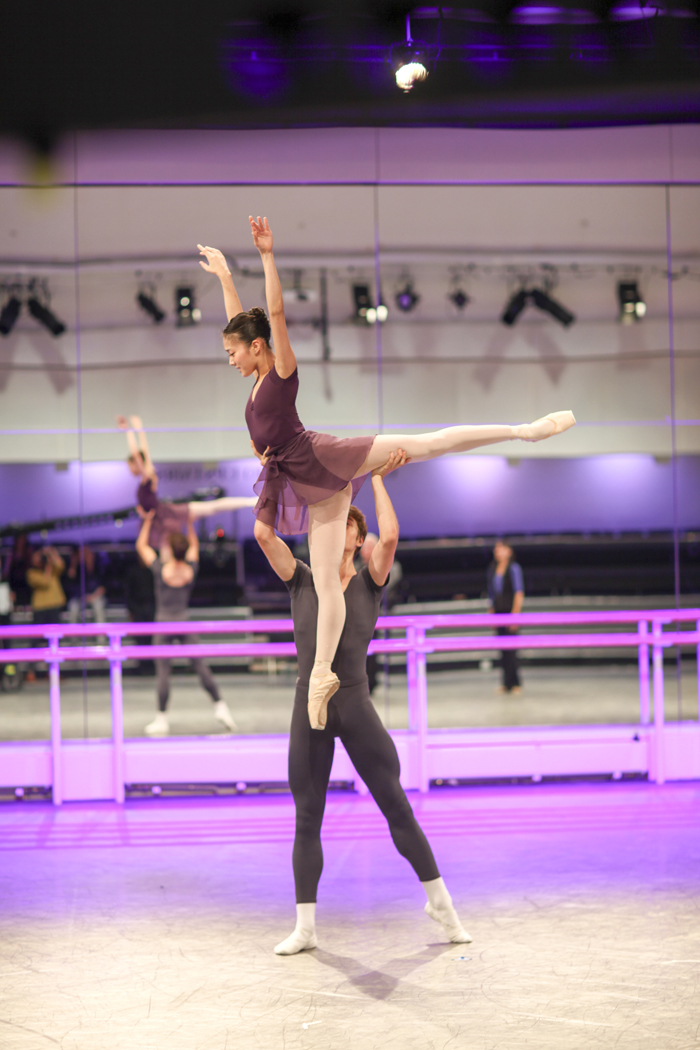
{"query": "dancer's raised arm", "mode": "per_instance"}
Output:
(382, 557)
(285, 361)
(214, 262)
(143, 547)
(193, 549)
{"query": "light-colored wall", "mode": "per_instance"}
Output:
(437, 368)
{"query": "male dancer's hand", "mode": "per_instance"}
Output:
(214, 261)
(262, 234)
(396, 459)
(263, 457)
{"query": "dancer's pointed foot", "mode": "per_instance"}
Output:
(449, 920)
(321, 689)
(546, 427)
(300, 940)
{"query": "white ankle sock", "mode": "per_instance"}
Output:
(304, 935)
(441, 909)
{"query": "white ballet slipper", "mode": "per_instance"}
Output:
(547, 426)
(449, 920)
(298, 941)
(321, 689)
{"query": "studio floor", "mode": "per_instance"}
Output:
(575, 694)
(151, 925)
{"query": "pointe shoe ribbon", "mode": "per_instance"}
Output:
(321, 689)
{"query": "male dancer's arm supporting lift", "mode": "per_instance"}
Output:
(351, 716)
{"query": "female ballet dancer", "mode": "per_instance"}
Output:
(167, 517)
(352, 717)
(309, 479)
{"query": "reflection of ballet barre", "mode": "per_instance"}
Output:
(76, 767)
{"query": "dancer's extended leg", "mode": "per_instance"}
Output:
(205, 508)
(462, 439)
(327, 526)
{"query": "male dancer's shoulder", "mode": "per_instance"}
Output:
(303, 577)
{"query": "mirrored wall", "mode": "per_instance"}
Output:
(409, 307)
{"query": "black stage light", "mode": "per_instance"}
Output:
(632, 306)
(514, 307)
(362, 301)
(459, 298)
(9, 314)
(148, 303)
(44, 316)
(543, 301)
(185, 308)
(406, 298)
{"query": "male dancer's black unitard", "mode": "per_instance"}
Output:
(351, 716)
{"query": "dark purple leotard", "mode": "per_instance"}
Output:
(168, 517)
(304, 467)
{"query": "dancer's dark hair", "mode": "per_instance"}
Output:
(356, 515)
(179, 545)
(249, 325)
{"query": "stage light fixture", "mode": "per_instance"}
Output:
(544, 302)
(9, 314)
(632, 306)
(40, 311)
(459, 298)
(365, 311)
(185, 307)
(150, 306)
(407, 298)
(410, 61)
(514, 307)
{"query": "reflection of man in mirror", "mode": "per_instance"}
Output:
(44, 578)
(167, 517)
(174, 575)
(94, 587)
(506, 595)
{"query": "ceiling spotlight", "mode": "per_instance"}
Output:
(9, 314)
(365, 311)
(458, 298)
(543, 301)
(150, 306)
(299, 294)
(514, 307)
(632, 306)
(41, 312)
(185, 308)
(406, 298)
(410, 61)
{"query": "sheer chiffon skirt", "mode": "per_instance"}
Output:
(169, 517)
(308, 469)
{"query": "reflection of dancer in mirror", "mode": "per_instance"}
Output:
(174, 575)
(352, 717)
(167, 517)
(308, 479)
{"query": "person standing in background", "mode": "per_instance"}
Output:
(44, 578)
(141, 606)
(94, 587)
(506, 595)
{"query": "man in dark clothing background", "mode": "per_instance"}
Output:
(506, 594)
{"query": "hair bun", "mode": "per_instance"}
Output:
(250, 325)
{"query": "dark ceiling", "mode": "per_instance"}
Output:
(492, 63)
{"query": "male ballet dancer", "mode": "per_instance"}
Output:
(351, 716)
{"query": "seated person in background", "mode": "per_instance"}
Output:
(506, 594)
(44, 578)
(94, 588)
(174, 575)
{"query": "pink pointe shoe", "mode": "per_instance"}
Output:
(547, 426)
(321, 689)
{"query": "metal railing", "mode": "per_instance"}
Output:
(654, 631)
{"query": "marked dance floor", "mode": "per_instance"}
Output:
(152, 925)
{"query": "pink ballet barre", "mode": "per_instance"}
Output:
(654, 631)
